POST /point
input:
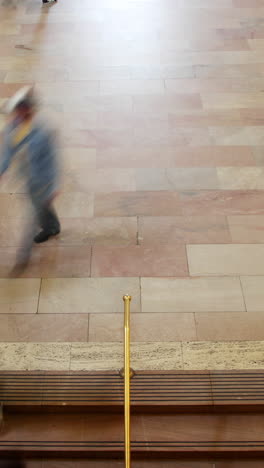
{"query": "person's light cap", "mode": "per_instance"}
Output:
(23, 94)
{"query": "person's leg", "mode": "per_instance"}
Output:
(24, 251)
(49, 223)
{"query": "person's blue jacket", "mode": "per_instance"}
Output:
(41, 150)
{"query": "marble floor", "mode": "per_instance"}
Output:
(160, 108)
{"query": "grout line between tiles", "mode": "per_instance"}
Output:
(187, 260)
(242, 291)
(40, 286)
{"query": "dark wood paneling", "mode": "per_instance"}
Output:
(240, 464)
(152, 389)
(237, 388)
(158, 433)
(120, 464)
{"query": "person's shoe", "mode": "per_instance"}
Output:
(18, 269)
(48, 1)
(43, 236)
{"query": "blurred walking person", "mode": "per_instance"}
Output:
(33, 145)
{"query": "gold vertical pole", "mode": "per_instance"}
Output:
(127, 300)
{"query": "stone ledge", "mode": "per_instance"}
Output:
(145, 356)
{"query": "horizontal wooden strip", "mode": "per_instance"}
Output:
(173, 388)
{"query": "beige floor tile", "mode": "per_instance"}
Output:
(8, 256)
(246, 229)
(57, 261)
(256, 136)
(40, 328)
(34, 356)
(162, 103)
(69, 92)
(74, 120)
(132, 87)
(230, 326)
(18, 205)
(180, 156)
(108, 180)
(258, 155)
(139, 260)
(31, 76)
(75, 205)
(12, 205)
(229, 259)
(176, 179)
(242, 178)
(11, 231)
(73, 232)
(191, 295)
(19, 296)
(109, 356)
(253, 290)
(232, 100)
(222, 202)
(252, 117)
(216, 85)
(87, 295)
(241, 136)
(111, 231)
(137, 204)
(79, 158)
(231, 135)
(223, 355)
(101, 180)
(116, 231)
(183, 229)
(159, 133)
(9, 28)
(144, 327)
(209, 117)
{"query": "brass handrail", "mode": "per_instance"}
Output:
(127, 377)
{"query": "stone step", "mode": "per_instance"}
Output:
(152, 389)
(96, 433)
(173, 413)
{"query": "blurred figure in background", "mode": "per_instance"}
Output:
(33, 145)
